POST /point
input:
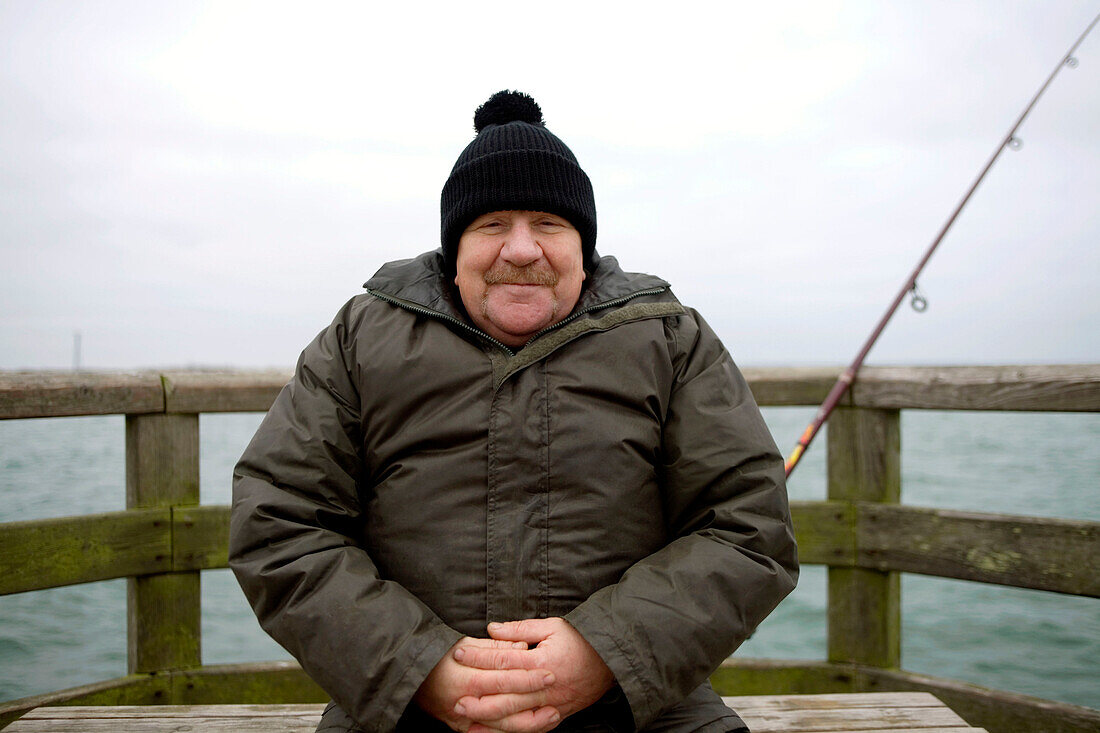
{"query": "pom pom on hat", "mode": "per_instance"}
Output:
(504, 107)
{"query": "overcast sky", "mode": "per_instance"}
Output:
(207, 183)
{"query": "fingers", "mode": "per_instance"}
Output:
(470, 641)
(508, 681)
(539, 720)
(493, 708)
(502, 657)
(530, 630)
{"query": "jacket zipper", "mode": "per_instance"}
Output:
(481, 334)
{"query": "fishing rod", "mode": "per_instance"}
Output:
(919, 302)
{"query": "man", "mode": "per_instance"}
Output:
(512, 487)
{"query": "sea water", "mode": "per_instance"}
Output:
(1032, 642)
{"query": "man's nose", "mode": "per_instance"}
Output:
(521, 247)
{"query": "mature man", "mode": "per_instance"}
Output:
(512, 487)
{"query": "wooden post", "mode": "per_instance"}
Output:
(864, 613)
(163, 610)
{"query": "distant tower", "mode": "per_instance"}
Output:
(76, 351)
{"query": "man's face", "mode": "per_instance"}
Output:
(519, 272)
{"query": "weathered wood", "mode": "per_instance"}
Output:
(162, 460)
(172, 718)
(1070, 388)
(47, 553)
(1028, 552)
(163, 611)
(200, 537)
(748, 676)
(864, 617)
(55, 394)
(895, 712)
(825, 531)
(838, 719)
(251, 391)
(257, 683)
(790, 386)
(846, 700)
(1055, 388)
(864, 606)
(141, 689)
(992, 709)
(864, 455)
(168, 712)
(779, 713)
(163, 621)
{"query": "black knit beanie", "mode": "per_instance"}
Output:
(515, 163)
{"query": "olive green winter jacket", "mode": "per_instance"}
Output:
(416, 480)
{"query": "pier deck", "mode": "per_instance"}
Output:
(882, 712)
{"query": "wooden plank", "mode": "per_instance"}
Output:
(1028, 552)
(131, 690)
(163, 614)
(994, 710)
(1069, 388)
(279, 724)
(825, 531)
(748, 676)
(864, 606)
(864, 617)
(47, 553)
(844, 719)
(827, 701)
(789, 386)
(254, 682)
(1055, 388)
(55, 394)
(163, 611)
(251, 391)
(864, 455)
(167, 712)
(892, 712)
(263, 682)
(853, 711)
(200, 537)
(162, 460)
(921, 729)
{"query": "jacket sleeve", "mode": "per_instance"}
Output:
(295, 550)
(675, 615)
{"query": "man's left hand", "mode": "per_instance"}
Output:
(580, 675)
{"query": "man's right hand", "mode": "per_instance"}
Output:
(450, 681)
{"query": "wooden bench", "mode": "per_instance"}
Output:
(885, 712)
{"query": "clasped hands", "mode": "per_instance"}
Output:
(523, 679)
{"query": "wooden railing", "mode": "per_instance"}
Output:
(165, 538)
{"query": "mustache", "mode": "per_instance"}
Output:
(526, 275)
